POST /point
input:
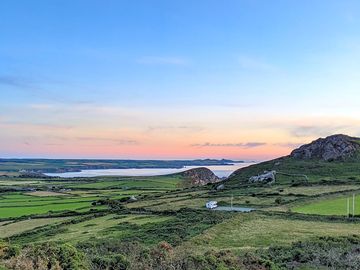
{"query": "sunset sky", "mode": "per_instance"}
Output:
(139, 79)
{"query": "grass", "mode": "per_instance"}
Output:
(99, 227)
(15, 205)
(316, 189)
(18, 182)
(334, 206)
(46, 193)
(18, 211)
(8, 229)
(111, 192)
(251, 231)
(158, 204)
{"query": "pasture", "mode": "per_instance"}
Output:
(330, 206)
(252, 231)
(102, 227)
(8, 229)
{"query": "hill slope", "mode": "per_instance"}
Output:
(334, 158)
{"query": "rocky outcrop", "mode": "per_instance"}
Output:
(332, 148)
(220, 187)
(200, 176)
(268, 177)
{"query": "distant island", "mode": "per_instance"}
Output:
(77, 165)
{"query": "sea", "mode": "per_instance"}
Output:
(219, 170)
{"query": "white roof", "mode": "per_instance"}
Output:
(212, 202)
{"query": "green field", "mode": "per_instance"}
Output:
(17, 205)
(100, 227)
(251, 231)
(8, 229)
(335, 206)
(80, 194)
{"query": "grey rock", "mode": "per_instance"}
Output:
(267, 176)
(220, 187)
(200, 176)
(335, 147)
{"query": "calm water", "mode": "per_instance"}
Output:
(220, 171)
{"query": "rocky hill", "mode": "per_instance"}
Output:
(332, 148)
(200, 176)
(309, 163)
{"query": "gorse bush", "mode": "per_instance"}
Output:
(110, 255)
(324, 252)
(120, 254)
(45, 256)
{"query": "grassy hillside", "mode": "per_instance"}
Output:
(317, 171)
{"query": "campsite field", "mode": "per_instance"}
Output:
(333, 206)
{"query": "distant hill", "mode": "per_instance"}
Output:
(334, 159)
(76, 165)
(332, 148)
(199, 177)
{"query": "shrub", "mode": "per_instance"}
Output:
(45, 256)
(114, 262)
(279, 200)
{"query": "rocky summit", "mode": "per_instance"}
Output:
(200, 176)
(336, 147)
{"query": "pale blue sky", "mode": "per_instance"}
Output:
(227, 72)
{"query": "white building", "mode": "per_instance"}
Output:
(211, 204)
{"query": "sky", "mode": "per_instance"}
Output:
(138, 79)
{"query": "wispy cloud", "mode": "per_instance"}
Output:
(37, 125)
(119, 141)
(15, 81)
(54, 144)
(253, 63)
(37, 88)
(111, 140)
(28, 140)
(240, 145)
(159, 60)
(173, 128)
(315, 131)
(51, 140)
(41, 106)
(289, 145)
